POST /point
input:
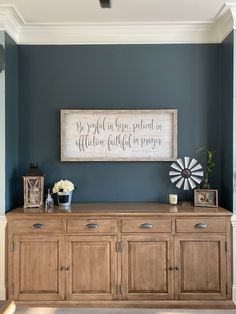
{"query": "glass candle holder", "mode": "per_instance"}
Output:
(173, 199)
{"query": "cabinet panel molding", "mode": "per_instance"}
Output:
(91, 226)
(146, 261)
(201, 225)
(37, 226)
(146, 225)
(92, 263)
(202, 267)
(36, 268)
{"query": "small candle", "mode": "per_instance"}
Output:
(173, 199)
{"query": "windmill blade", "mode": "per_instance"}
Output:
(174, 173)
(180, 162)
(174, 179)
(186, 162)
(198, 180)
(198, 173)
(180, 183)
(197, 167)
(192, 163)
(191, 183)
(186, 185)
(176, 167)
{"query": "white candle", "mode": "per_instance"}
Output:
(173, 199)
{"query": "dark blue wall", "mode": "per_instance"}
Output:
(185, 77)
(11, 111)
(227, 48)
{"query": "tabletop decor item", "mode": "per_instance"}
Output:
(49, 202)
(64, 189)
(210, 164)
(186, 173)
(173, 199)
(206, 198)
(33, 187)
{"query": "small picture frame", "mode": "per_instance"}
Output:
(206, 198)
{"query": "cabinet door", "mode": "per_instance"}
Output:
(201, 261)
(36, 268)
(146, 260)
(92, 267)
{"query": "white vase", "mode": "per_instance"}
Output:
(64, 199)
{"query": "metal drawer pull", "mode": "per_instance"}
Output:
(92, 226)
(146, 226)
(37, 226)
(201, 226)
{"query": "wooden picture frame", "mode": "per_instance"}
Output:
(205, 198)
(119, 135)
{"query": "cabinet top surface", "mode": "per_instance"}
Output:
(121, 209)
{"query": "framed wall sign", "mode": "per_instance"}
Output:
(118, 135)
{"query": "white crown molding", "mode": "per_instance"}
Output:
(114, 33)
(11, 21)
(144, 33)
(224, 22)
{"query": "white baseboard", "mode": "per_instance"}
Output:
(3, 222)
(2, 293)
(233, 220)
(234, 294)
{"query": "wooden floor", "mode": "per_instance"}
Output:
(22, 310)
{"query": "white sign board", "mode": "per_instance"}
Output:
(118, 135)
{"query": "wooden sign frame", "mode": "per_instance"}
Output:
(119, 135)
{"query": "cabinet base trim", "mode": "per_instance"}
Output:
(228, 304)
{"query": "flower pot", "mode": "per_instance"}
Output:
(64, 199)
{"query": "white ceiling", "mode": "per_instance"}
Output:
(89, 11)
(128, 21)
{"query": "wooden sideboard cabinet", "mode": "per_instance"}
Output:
(121, 255)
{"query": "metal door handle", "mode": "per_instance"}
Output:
(146, 226)
(37, 226)
(92, 226)
(201, 225)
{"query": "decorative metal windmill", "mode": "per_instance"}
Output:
(186, 173)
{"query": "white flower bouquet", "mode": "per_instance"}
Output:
(63, 186)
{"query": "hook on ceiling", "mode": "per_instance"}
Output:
(105, 3)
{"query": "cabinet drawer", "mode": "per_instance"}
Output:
(39, 226)
(91, 226)
(201, 225)
(146, 225)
